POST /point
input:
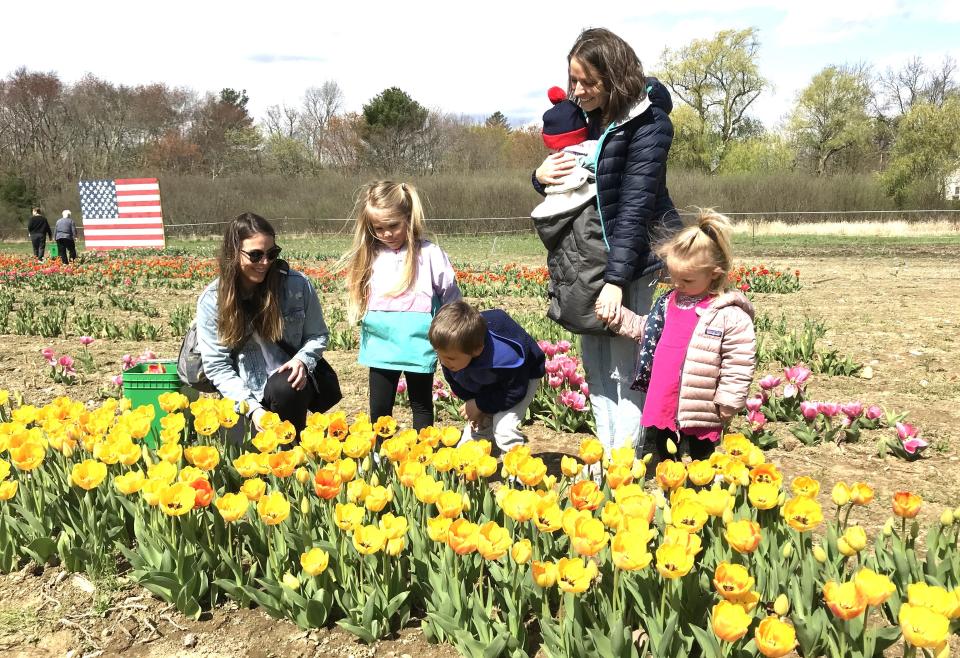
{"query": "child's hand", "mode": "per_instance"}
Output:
(472, 412)
(726, 413)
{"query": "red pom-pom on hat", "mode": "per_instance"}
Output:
(556, 95)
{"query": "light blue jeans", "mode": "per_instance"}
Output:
(609, 362)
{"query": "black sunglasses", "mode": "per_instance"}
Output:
(258, 255)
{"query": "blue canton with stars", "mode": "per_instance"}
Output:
(98, 199)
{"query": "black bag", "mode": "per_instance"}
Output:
(326, 384)
(190, 365)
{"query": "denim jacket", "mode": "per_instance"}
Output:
(242, 375)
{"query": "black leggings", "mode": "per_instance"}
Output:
(67, 246)
(39, 245)
(383, 392)
(287, 402)
(655, 440)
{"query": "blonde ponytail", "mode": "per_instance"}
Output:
(705, 245)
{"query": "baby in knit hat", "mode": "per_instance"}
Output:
(565, 129)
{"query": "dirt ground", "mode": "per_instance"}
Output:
(897, 312)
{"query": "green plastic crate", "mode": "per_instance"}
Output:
(54, 250)
(141, 387)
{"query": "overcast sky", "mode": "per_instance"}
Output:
(464, 58)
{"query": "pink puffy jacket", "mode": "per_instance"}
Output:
(720, 358)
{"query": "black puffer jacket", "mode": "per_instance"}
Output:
(635, 207)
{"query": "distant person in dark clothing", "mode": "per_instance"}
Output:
(66, 236)
(39, 229)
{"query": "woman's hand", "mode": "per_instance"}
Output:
(555, 168)
(255, 418)
(609, 303)
(298, 373)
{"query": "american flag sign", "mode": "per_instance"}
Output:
(121, 213)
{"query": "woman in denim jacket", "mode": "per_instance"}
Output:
(260, 330)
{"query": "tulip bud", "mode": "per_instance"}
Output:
(727, 516)
(888, 527)
(466, 503)
(243, 407)
(302, 475)
(504, 474)
(782, 498)
(145, 452)
(782, 605)
(946, 518)
(365, 464)
(787, 550)
(667, 515)
(374, 480)
(956, 513)
(305, 505)
(647, 457)
(291, 581)
(844, 547)
(819, 554)
(671, 447)
(914, 530)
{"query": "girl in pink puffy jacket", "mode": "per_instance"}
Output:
(697, 346)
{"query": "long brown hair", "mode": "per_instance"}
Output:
(265, 316)
(404, 200)
(619, 68)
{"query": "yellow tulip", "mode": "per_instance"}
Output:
(743, 536)
(781, 605)
(177, 499)
(544, 574)
(232, 506)
(689, 515)
(629, 550)
(844, 600)
(935, 598)
(716, 500)
(28, 455)
(531, 470)
(88, 474)
(674, 561)
(253, 489)
(130, 482)
(462, 536)
(590, 536)
(775, 638)
(585, 495)
(700, 473)
(856, 538)
(923, 627)
(618, 475)
(8, 489)
(521, 551)
(170, 452)
(377, 498)
(574, 576)
(906, 505)
(314, 561)
(449, 504)
(805, 486)
(671, 474)
(861, 493)
(729, 621)
(4, 469)
(164, 471)
(802, 514)
(763, 495)
(840, 494)
(493, 541)
(591, 451)
(393, 527)
(570, 467)
(732, 580)
(518, 504)
(874, 587)
(150, 491)
(438, 527)
(273, 508)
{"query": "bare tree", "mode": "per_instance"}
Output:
(320, 105)
(283, 121)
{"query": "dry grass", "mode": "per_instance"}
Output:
(879, 229)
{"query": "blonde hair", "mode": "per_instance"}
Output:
(704, 245)
(402, 199)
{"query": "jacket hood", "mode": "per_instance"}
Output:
(731, 298)
(659, 95)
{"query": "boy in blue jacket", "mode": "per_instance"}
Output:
(493, 365)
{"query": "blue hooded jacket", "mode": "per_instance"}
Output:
(498, 378)
(635, 207)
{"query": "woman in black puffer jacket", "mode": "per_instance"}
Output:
(629, 114)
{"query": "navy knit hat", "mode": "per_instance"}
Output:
(563, 124)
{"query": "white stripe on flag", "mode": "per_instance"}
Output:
(129, 209)
(152, 187)
(89, 222)
(121, 244)
(92, 234)
(139, 197)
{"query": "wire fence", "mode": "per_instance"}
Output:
(481, 226)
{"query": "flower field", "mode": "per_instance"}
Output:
(824, 526)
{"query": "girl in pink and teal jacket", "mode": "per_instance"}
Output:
(396, 282)
(697, 348)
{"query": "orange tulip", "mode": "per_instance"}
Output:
(906, 505)
(775, 638)
(729, 621)
(844, 600)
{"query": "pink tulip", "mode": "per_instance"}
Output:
(118, 380)
(48, 353)
(548, 348)
(575, 379)
(128, 361)
(913, 444)
(770, 382)
(797, 374)
(563, 346)
(852, 409)
(756, 419)
(402, 385)
(66, 361)
(147, 355)
(552, 366)
(573, 400)
(754, 403)
(828, 409)
(906, 431)
(585, 389)
(790, 390)
(874, 412)
(810, 410)
(569, 367)
(555, 381)
(86, 340)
